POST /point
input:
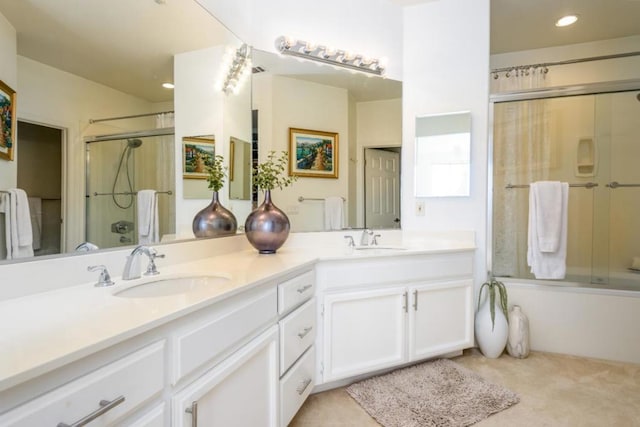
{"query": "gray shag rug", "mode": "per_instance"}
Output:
(438, 393)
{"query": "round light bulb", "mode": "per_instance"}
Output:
(566, 20)
(168, 85)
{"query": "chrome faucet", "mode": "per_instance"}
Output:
(104, 279)
(132, 268)
(364, 239)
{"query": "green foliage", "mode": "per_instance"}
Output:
(493, 285)
(269, 174)
(217, 173)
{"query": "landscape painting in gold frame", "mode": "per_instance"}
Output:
(7, 121)
(313, 153)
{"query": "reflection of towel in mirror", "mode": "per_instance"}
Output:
(35, 207)
(333, 213)
(547, 234)
(17, 222)
(148, 230)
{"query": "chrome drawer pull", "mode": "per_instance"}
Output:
(193, 410)
(415, 300)
(304, 289)
(303, 386)
(105, 406)
(304, 332)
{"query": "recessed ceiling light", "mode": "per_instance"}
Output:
(168, 85)
(566, 20)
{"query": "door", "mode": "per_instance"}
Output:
(363, 331)
(440, 318)
(382, 188)
(241, 391)
(41, 151)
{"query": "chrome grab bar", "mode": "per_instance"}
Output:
(105, 406)
(616, 184)
(585, 185)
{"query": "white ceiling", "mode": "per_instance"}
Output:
(124, 44)
(129, 44)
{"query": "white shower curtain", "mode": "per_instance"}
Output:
(521, 154)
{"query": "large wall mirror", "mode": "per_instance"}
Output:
(443, 155)
(80, 67)
(366, 115)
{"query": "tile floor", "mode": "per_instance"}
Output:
(555, 390)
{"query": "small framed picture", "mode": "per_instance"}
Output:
(313, 153)
(198, 152)
(8, 121)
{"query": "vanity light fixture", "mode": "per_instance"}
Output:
(238, 67)
(566, 20)
(326, 55)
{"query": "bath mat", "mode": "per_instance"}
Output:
(438, 393)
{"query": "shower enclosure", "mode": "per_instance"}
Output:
(119, 165)
(591, 141)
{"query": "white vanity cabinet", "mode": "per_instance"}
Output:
(382, 312)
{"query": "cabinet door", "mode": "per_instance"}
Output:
(241, 391)
(363, 331)
(440, 318)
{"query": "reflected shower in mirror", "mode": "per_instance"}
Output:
(443, 155)
(364, 112)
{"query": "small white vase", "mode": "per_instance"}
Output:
(491, 339)
(518, 342)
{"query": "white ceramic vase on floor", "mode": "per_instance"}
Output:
(518, 341)
(491, 340)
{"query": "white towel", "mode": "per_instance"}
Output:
(35, 207)
(547, 234)
(333, 213)
(17, 222)
(148, 231)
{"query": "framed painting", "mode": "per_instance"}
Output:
(7, 121)
(198, 152)
(313, 153)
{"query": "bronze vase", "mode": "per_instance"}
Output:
(267, 227)
(214, 220)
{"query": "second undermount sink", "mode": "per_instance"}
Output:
(171, 286)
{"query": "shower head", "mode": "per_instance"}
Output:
(134, 143)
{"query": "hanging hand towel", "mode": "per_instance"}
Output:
(148, 230)
(547, 233)
(35, 207)
(17, 220)
(333, 213)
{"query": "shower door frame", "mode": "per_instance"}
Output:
(527, 95)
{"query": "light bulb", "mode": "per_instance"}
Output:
(566, 20)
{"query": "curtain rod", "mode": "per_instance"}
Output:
(568, 61)
(128, 117)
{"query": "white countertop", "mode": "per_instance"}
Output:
(41, 332)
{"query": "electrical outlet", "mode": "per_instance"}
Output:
(292, 210)
(419, 207)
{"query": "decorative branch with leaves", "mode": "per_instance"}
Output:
(217, 173)
(269, 174)
(493, 285)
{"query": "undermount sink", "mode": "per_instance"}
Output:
(379, 247)
(171, 286)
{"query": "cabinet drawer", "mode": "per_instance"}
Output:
(296, 386)
(153, 418)
(219, 333)
(295, 291)
(137, 377)
(297, 333)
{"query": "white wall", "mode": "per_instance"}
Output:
(446, 64)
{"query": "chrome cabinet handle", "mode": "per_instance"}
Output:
(415, 300)
(193, 410)
(304, 288)
(105, 406)
(405, 306)
(304, 332)
(303, 386)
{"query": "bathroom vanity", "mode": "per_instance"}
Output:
(243, 341)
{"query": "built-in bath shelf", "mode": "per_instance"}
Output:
(586, 157)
